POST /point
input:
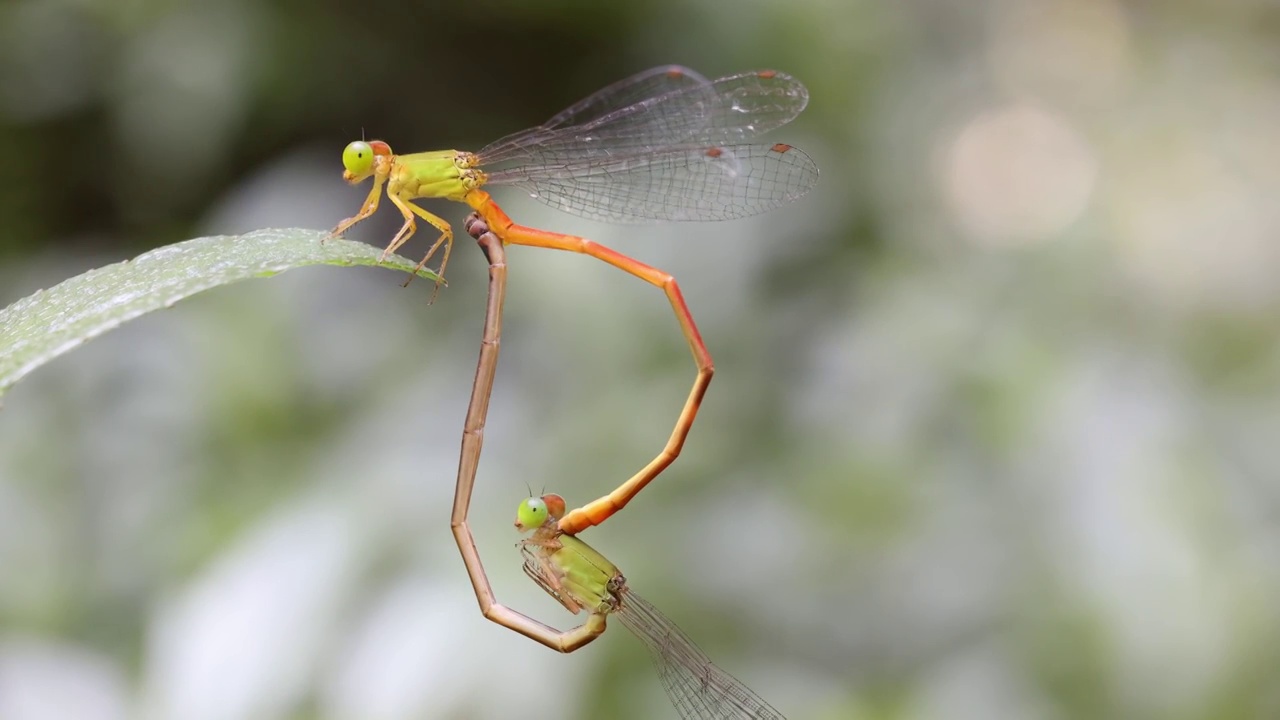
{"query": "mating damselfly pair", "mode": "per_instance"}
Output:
(665, 144)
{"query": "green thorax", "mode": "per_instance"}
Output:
(588, 577)
(447, 174)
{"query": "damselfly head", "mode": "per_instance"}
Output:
(534, 512)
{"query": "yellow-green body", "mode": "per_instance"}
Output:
(573, 572)
(447, 174)
(587, 577)
(570, 570)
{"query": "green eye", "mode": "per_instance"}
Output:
(532, 513)
(358, 158)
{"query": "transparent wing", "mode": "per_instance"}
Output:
(698, 689)
(651, 83)
(727, 111)
(672, 183)
(665, 131)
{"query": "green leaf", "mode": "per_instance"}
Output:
(48, 323)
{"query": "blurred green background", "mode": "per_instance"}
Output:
(992, 433)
